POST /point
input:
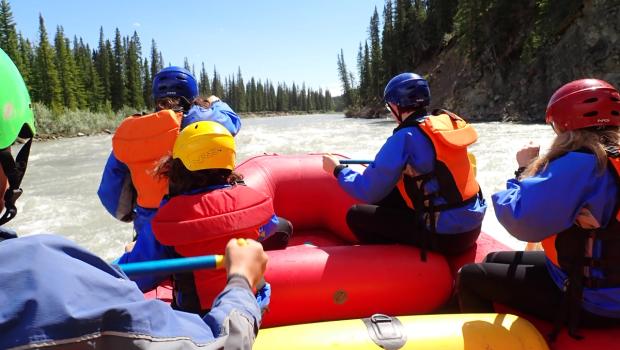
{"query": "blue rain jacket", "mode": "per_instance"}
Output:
(540, 206)
(55, 292)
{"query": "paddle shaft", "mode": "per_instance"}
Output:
(355, 161)
(169, 266)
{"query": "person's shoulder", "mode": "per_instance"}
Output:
(578, 164)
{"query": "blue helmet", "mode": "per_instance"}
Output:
(174, 82)
(408, 90)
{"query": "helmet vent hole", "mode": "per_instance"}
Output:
(615, 113)
(591, 114)
(615, 99)
(196, 126)
(591, 100)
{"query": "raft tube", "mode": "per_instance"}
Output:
(446, 332)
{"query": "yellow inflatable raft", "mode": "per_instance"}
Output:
(446, 332)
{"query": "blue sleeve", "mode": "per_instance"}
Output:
(113, 179)
(146, 248)
(229, 118)
(237, 296)
(268, 229)
(380, 177)
(219, 112)
(540, 206)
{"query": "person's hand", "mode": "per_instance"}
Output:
(527, 154)
(329, 163)
(212, 99)
(247, 258)
(129, 246)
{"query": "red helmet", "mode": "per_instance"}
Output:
(584, 103)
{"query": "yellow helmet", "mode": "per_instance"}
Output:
(205, 145)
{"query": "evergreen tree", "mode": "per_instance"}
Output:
(376, 61)
(240, 94)
(157, 63)
(133, 72)
(66, 70)
(89, 78)
(345, 79)
(293, 103)
(147, 86)
(271, 98)
(103, 66)
(117, 76)
(204, 85)
(8, 35)
(46, 85)
(27, 54)
(329, 103)
(389, 45)
(261, 97)
(364, 73)
(217, 89)
(252, 96)
(303, 98)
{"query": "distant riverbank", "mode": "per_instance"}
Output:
(51, 126)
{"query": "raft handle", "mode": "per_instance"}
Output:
(387, 332)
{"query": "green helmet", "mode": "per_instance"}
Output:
(15, 107)
(16, 119)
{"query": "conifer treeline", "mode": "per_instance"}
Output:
(490, 33)
(69, 74)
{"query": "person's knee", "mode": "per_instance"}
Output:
(284, 226)
(352, 217)
(468, 275)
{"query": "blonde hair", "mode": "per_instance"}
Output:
(595, 140)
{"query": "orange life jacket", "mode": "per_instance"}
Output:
(202, 224)
(454, 172)
(140, 142)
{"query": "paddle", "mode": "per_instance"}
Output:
(169, 266)
(355, 161)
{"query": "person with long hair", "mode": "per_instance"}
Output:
(567, 199)
(207, 204)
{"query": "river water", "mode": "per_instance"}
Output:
(60, 186)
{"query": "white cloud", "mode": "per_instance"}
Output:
(136, 24)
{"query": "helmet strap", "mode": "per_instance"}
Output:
(395, 113)
(14, 169)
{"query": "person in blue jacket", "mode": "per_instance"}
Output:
(421, 188)
(127, 190)
(57, 295)
(566, 199)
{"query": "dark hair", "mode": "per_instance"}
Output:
(180, 104)
(182, 180)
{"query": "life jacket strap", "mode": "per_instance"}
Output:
(14, 169)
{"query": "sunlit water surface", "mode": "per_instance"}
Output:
(63, 176)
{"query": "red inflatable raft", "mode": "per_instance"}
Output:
(323, 275)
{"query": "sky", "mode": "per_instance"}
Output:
(283, 41)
